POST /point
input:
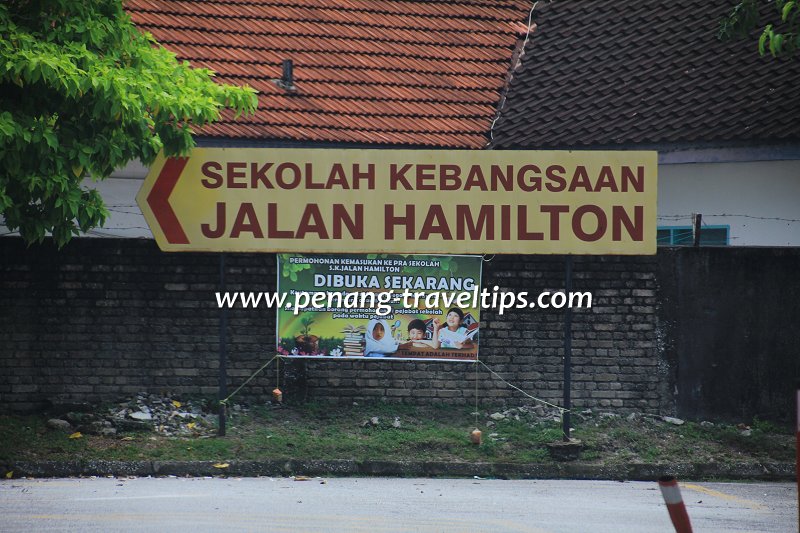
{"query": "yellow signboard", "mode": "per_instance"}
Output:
(403, 201)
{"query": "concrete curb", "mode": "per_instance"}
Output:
(344, 468)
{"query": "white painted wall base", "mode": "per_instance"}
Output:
(751, 195)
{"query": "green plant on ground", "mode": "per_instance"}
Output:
(400, 432)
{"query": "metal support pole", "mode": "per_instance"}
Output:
(698, 227)
(223, 355)
(567, 349)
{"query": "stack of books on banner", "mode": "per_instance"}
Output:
(353, 340)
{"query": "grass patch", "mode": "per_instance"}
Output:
(322, 431)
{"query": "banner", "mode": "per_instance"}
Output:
(403, 201)
(379, 306)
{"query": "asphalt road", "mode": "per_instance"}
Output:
(371, 505)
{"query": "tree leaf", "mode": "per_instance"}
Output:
(100, 74)
(762, 41)
(776, 44)
(51, 139)
(786, 10)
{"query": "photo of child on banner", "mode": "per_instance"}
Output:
(456, 335)
(350, 322)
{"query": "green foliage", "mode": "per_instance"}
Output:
(322, 431)
(82, 92)
(290, 270)
(306, 322)
(765, 427)
(781, 34)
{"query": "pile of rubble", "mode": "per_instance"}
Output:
(530, 413)
(539, 414)
(146, 412)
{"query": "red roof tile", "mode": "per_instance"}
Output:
(401, 72)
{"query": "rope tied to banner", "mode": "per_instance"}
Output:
(257, 372)
(561, 410)
(476, 391)
(476, 413)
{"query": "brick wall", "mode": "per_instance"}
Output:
(729, 319)
(106, 318)
(615, 363)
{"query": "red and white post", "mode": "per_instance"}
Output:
(797, 451)
(672, 497)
